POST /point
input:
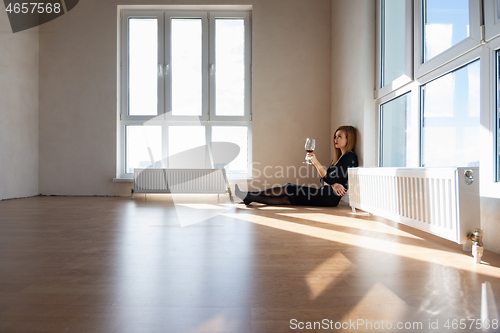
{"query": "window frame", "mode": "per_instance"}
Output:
(173, 14)
(490, 184)
(473, 41)
(413, 131)
(475, 55)
(491, 21)
(164, 117)
(248, 65)
(408, 74)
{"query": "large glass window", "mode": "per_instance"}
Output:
(186, 67)
(230, 67)
(445, 24)
(182, 73)
(393, 134)
(142, 66)
(143, 147)
(393, 40)
(237, 135)
(450, 119)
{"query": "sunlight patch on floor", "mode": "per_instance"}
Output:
(321, 277)
(351, 223)
(391, 308)
(421, 253)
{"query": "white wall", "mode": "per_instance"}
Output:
(291, 91)
(353, 74)
(18, 111)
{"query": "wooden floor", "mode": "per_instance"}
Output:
(191, 264)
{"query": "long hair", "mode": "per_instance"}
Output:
(350, 133)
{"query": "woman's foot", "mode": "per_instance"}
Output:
(242, 195)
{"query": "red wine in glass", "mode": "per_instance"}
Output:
(309, 146)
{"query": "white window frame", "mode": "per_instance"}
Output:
(164, 117)
(491, 21)
(168, 91)
(466, 45)
(442, 71)
(248, 66)
(413, 132)
(457, 58)
(490, 187)
(408, 74)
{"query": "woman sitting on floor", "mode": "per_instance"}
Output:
(335, 177)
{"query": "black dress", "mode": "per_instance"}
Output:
(324, 195)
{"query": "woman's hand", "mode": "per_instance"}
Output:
(311, 157)
(339, 189)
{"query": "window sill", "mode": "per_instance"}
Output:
(123, 180)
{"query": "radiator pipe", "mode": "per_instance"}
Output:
(477, 244)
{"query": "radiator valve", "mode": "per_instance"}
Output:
(477, 244)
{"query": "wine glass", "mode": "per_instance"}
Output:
(310, 145)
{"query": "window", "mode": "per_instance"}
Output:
(448, 114)
(394, 56)
(446, 23)
(450, 119)
(492, 18)
(394, 124)
(185, 85)
(444, 30)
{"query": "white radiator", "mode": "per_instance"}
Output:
(441, 201)
(158, 180)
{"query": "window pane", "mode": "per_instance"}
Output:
(187, 147)
(143, 143)
(393, 40)
(393, 117)
(186, 67)
(450, 129)
(446, 23)
(230, 67)
(143, 65)
(237, 135)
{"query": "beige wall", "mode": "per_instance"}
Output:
(291, 92)
(353, 73)
(18, 111)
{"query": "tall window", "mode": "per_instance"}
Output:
(185, 85)
(394, 44)
(446, 23)
(450, 119)
(448, 113)
(393, 40)
(393, 131)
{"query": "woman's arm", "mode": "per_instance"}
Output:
(311, 157)
(337, 188)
